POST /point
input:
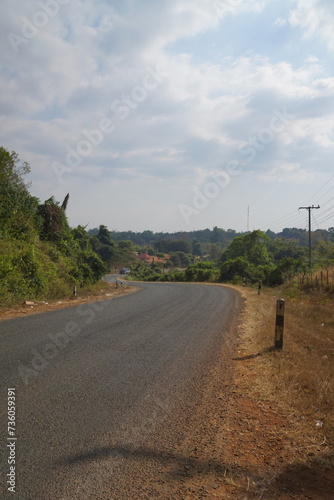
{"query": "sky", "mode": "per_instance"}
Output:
(173, 115)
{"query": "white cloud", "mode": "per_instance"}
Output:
(316, 18)
(281, 22)
(92, 54)
(287, 173)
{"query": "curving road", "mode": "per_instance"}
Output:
(104, 391)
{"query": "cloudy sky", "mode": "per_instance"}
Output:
(173, 114)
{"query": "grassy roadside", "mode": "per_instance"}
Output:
(103, 290)
(280, 427)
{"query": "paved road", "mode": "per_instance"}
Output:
(99, 387)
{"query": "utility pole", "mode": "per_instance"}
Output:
(309, 232)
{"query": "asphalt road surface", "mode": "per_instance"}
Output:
(104, 391)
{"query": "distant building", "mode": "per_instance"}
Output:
(144, 256)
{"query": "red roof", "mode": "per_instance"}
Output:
(144, 256)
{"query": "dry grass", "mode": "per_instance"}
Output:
(280, 425)
(307, 367)
(301, 376)
(321, 279)
(303, 372)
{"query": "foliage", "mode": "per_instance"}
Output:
(18, 217)
(280, 248)
(82, 238)
(197, 248)
(249, 257)
(87, 269)
(41, 257)
(161, 240)
(236, 270)
(55, 226)
(218, 237)
(28, 272)
(252, 246)
(202, 271)
(177, 245)
(126, 245)
(181, 259)
(113, 254)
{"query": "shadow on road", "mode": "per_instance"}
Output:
(299, 480)
(132, 453)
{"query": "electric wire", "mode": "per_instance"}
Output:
(321, 214)
(319, 190)
(294, 217)
(320, 230)
(328, 217)
(291, 219)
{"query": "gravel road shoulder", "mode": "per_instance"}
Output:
(107, 291)
(252, 445)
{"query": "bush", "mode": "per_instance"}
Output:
(238, 269)
(202, 271)
(274, 278)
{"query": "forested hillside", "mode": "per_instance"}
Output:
(41, 256)
(204, 241)
(248, 258)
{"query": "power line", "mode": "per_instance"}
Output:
(326, 202)
(329, 216)
(328, 190)
(281, 220)
(321, 230)
(319, 190)
(289, 221)
(309, 232)
(325, 212)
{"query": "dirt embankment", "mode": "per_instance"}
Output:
(270, 433)
(105, 291)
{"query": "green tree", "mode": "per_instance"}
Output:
(55, 227)
(252, 246)
(18, 209)
(175, 260)
(126, 245)
(82, 238)
(184, 259)
(197, 248)
(281, 248)
(237, 269)
(104, 235)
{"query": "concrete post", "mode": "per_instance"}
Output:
(279, 328)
